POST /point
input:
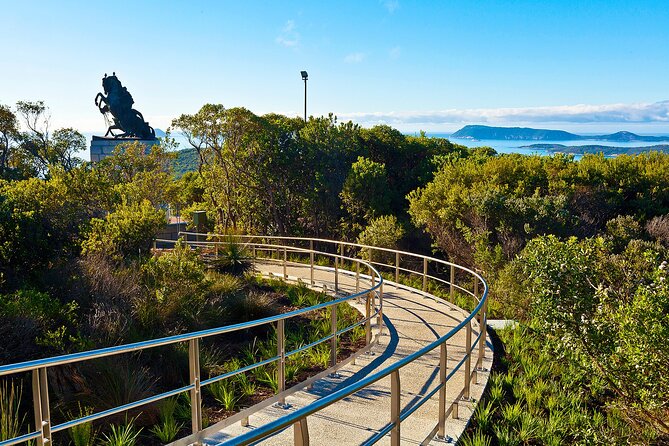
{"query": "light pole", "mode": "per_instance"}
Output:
(305, 76)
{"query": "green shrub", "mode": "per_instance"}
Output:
(177, 287)
(11, 420)
(167, 429)
(224, 392)
(123, 435)
(125, 233)
(82, 434)
(115, 382)
(382, 232)
(232, 257)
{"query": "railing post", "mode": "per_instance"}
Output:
(395, 407)
(336, 271)
(484, 332)
(357, 276)
(368, 325)
(379, 320)
(311, 261)
(424, 273)
(301, 433)
(397, 269)
(253, 258)
(285, 260)
(195, 393)
(41, 406)
(333, 341)
(443, 361)
(452, 281)
(281, 353)
(468, 360)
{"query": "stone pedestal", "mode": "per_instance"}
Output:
(102, 147)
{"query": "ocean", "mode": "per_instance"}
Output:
(515, 146)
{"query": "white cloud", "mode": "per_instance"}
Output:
(576, 114)
(355, 57)
(289, 37)
(390, 5)
(395, 52)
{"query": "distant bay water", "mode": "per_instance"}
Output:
(516, 146)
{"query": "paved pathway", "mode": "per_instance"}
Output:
(412, 320)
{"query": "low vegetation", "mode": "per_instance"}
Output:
(573, 250)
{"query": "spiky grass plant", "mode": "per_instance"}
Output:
(123, 435)
(224, 392)
(83, 434)
(166, 430)
(478, 439)
(10, 416)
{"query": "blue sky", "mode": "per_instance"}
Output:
(577, 65)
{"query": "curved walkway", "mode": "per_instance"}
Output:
(412, 319)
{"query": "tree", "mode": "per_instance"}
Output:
(42, 150)
(8, 133)
(365, 194)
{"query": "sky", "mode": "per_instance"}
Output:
(576, 65)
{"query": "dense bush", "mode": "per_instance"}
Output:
(127, 232)
(477, 203)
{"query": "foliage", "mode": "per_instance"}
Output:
(365, 193)
(506, 200)
(32, 320)
(177, 287)
(123, 435)
(232, 257)
(541, 400)
(11, 419)
(114, 383)
(167, 429)
(82, 434)
(224, 392)
(126, 232)
(609, 312)
(382, 232)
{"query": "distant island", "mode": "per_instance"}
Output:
(606, 150)
(478, 132)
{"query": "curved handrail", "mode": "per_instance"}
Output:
(39, 366)
(298, 417)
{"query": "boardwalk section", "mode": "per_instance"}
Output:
(412, 319)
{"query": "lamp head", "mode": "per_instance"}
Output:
(304, 75)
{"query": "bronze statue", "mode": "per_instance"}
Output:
(118, 102)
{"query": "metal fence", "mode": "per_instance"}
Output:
(336, 257)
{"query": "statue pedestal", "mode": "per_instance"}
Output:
(102, 147)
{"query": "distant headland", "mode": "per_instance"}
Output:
(480, 132)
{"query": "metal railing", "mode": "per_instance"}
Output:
(427, 268)
(287, 251)
(369, 289)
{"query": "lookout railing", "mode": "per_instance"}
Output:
(328, 255)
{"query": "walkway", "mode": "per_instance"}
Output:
(412, 319)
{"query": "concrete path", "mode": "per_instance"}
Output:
(412, 320)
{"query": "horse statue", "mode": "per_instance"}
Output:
(118, 102)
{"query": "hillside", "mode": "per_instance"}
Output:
(479, 132)
(186, 161)
(513, 133)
